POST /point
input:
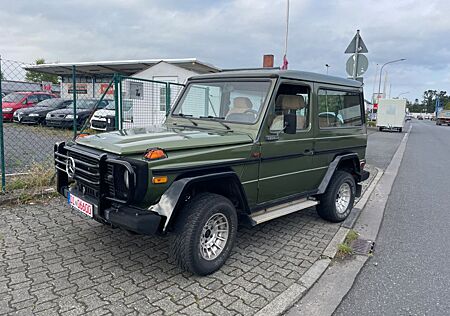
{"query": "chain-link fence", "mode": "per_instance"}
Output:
(42, 107)
(25, 98)
(145, 102)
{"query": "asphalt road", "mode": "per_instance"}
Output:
(381, 146)
(409, 273)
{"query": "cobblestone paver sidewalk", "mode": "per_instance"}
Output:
(54, 261)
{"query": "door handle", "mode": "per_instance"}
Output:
(308, 152)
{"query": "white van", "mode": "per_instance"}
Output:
(391, 114)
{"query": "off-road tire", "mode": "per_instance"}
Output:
(185, 241)
(400, 130)
(380, 129)
(327, 206)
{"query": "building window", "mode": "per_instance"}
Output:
(162, 98)
(136, 90)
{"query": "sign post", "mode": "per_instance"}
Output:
(358, 63)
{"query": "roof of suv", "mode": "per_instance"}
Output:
(276, 73)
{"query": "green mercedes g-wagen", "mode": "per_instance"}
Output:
(239, 147)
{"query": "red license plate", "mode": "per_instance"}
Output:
(83, 206)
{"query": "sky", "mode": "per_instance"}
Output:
(237, 33)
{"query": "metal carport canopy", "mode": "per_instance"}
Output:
(124, 67)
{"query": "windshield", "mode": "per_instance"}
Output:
(49, 103)
(111, 106)
(126, 105)
(13, 97)
(233, 101)
(83, 104)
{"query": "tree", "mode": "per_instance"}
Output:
(35, 76)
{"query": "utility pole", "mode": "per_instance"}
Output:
(285, 61)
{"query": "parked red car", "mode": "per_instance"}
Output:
(19, 100)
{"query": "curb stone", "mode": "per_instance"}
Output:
(296, 291)
(338, 279)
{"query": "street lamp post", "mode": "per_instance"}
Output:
(328, 66)
(381, 72)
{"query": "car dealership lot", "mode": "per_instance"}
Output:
(25, 145)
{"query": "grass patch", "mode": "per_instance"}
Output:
(38, 176)
(372, 124)
(344, 249)
(31, 186)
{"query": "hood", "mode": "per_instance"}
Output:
(70, 111)
(104, 113)
(11, 104)
(138, 140)
(35, 109)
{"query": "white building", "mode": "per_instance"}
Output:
(143, 89)
(92, 78)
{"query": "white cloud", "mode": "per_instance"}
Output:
(237, 34)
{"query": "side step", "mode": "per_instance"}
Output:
(281, 210)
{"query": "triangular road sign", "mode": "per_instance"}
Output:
(352, 46)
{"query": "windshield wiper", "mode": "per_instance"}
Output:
(186, 116)
(218, 120)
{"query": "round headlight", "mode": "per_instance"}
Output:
(126, 179)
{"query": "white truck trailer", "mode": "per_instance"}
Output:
(391, 114)
(443, 117)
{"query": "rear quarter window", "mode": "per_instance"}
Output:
(339, 108)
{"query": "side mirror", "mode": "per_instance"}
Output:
(290, 123)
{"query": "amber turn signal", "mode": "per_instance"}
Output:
(82, 135)
(159, 180)
(155, 153)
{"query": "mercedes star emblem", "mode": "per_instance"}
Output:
(70, 167)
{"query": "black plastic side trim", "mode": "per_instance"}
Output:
(331, 169)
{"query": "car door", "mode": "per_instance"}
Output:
(340, 123)
(31, 100)
(287, 168)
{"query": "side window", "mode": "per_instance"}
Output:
(339, 108)
(43, 97)
(32, 99)
(291, 99)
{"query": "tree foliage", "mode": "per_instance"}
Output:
(428, 102)
(34, 76)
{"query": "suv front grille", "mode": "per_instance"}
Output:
(98, 124)
(89, 177)
(87, 169)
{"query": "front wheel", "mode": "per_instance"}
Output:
(205, 232)
(337, 201)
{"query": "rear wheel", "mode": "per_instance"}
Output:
(337, 202)
(380, 129)
(205, 233)
(400, 129)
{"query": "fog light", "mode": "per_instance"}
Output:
(362, 163)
